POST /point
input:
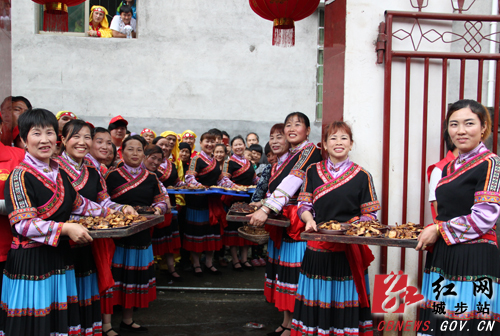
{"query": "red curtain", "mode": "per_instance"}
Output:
(55, 15)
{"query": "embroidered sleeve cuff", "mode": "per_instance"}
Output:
(55, 233)
(303, 207)
(298, 173)
(225, 182)
(305, 197)
(22, 214)
(276, 208)
(191, 179)
(486, 196)
(162, 206)
(191, 172)
(367, 217)
(370, 207)
(180, 183)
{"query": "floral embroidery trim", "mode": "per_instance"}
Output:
(244, 166)
(211, 165)
(369, 207)
(131, 182)
(452, 174)
(330, 183)
(486, 196)
(49, 208)
(78, 178)
(165, 171)
(305, 197)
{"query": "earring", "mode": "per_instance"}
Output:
(482, 134)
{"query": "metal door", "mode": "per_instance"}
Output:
(431, 31)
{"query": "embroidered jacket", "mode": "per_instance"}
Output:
(41, 199)
(468, 198)
(342, 192)
(240, 170)
(286, 179)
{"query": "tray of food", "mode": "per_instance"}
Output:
(366, 229)
(242, 208)
(275, 220)
(370, 233)
(188, 189)
(254, 234)
(118, 224)
(332, 227)
(144, 210)
(228, 191)
(408, 231)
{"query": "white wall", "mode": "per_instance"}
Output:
(196, 64)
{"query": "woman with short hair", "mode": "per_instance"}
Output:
(333, 292)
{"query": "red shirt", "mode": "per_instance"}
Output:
(10, 157)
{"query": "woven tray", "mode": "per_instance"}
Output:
(259, 239)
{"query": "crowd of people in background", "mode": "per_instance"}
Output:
(55, 167)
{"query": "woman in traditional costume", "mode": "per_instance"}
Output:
(189, 137)
(166, 237)
(241, 172)
(88, 182)
(463, 272)
(98, 22)
(10, 157)
(220, 153)
(279, 149)
(184, 157)
(148, 135)
(133, 266)
(39, 292)
(333, 293)
(205, 214)
(101, 148)
(286, 248)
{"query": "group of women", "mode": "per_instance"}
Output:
(322, 288)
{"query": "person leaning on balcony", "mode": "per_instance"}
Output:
(466, 259)
(98, 22)
(123, 24)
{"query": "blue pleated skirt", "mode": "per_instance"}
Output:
(327, 301)
(199, 235)
(39, 292)
(282, 272)
(458, 267)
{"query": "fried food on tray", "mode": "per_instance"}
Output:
(405, 231)
(242, 207)
(257, 231)
(144, 209)
(330, 225)
(365, 229)
(112, 221)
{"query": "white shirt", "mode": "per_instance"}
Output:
(118, 25)
(433, 182)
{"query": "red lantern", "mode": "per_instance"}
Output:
(284, 13)
(55, 14)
